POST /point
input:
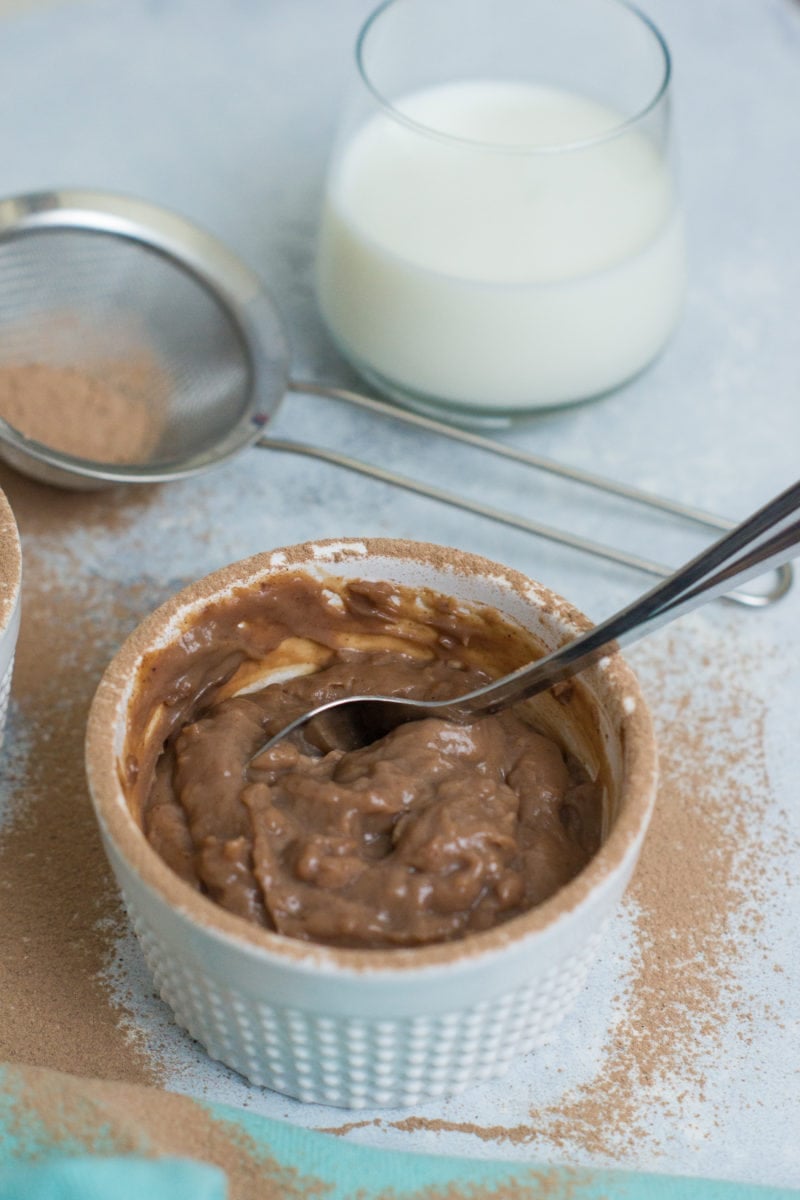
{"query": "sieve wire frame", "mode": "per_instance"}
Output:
(234, 288)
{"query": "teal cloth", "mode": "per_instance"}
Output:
(113, 1179)
(354, 1171)
(360, 1172)
(94, 1162)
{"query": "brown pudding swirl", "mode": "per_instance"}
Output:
(433, 832)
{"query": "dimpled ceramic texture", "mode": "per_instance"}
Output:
(364, 1029)
(10, 578)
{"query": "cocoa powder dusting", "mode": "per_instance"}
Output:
(83, 1068)
(705, 874)
(61, 911)
(136, 1120)
(696, 900)
(706, 871)
(98, 1117)
(532, 1184)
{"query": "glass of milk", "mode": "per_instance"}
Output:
(500, 230)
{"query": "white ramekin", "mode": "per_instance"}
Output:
(361, 1028)
(10, 584)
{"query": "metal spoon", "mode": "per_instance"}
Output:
(766, 539)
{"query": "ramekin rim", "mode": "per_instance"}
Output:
(115, 819)
(10, 564)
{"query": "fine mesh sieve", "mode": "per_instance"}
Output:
(123, 291)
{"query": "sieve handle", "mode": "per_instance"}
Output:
(783, 575)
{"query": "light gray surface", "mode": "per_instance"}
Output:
(224, 110)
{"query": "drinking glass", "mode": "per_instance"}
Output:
(500, 229)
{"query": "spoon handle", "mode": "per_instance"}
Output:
(768, 538)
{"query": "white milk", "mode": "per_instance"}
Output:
(497, 276)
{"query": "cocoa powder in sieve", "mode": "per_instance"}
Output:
(108, 415)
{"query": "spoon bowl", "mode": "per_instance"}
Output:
(768, 538)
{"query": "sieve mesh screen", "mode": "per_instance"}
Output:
(134, 318)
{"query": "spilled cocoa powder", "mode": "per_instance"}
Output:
(79, 1084)
(705, 874)
(59, 903)
(696, 899)
(98, 1117)
(695, 902)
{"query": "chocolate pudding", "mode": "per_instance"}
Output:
(435, 831)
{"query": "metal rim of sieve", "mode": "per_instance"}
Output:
(236, 289)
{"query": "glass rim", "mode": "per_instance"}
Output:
(531, 148)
